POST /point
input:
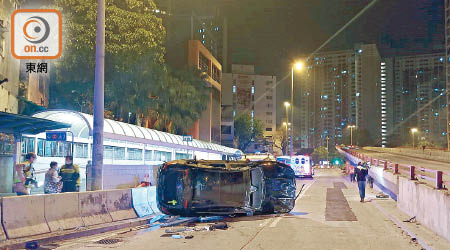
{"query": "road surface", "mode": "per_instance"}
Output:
(327, 215)
(408, 160)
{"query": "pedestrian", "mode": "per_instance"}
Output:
(361, 171)
(70, 176)
(24, 175)
(352, 173)
(52, 183)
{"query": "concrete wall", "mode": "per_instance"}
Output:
(24, 216)
(6, 173)
(126, 176)
(431, 207)
(427, 154)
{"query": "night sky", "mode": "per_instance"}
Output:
(272, 33)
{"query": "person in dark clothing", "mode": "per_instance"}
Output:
(70, 176)
(361, 171)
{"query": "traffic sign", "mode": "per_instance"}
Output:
(56, 136)
(187, 137)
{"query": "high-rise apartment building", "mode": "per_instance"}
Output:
(447, 68)
(200, 20)
(246, 92)
(418, 98)
(208, 127)
(338, 89)
(387, 100)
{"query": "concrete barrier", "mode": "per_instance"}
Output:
(151, 196)
(24, 216)
(140, 202)
(93, 208)
(119, 204)
(2, 232)
(431, 207)
(386, 181)
(62, 211)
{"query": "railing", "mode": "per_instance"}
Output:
(439, 178)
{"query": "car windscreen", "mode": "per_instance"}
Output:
(214, 188)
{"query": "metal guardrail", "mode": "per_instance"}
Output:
(413, 172)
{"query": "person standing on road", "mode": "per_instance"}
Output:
(361, 171)
(52, 183)
(24, 175)
(352, 173)
(70, 176)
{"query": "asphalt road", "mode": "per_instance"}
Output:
(327, 215)
(408, 160)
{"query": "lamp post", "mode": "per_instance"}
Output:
(298, 66)
(287, 105)
(286, 124)
(351, 127)
(413, 130)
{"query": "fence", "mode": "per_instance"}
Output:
(439, 178)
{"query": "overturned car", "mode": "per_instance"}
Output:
(194, 188)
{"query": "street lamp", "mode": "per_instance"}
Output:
(351, 127)
(413, 130)
(286, 124)
(299, 65)
(287, 105)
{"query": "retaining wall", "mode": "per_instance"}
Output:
(431, 207)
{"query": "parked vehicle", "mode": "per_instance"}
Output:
(301, 164)
(192, 188)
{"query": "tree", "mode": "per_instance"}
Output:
(132, 32)
(320, 153)
(280, 142)
(247, 130)
(138, 84)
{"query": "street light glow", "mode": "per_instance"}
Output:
(299, 65)
(414, 130)
(284, 124)
(351, 126)
(287, 104)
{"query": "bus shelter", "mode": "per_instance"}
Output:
(17, 125)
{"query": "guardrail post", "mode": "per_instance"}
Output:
(412, 172)
(385, 165)
(438, 179)
(396, 168)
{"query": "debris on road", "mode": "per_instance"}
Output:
(177, 236)
(382, 196)
(219, 225)
(189, 237)
(211, 218)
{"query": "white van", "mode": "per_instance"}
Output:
(301, 164)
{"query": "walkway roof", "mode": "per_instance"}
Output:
(22, 124)
(82, 127)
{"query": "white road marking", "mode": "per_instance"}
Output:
(275, 222)
(265, 222)
(306, 189)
